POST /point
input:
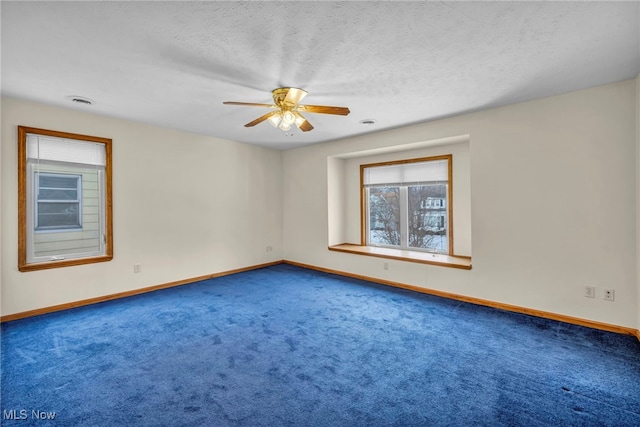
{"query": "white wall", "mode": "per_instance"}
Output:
(184, 206)
(553, 190)
(638, 193)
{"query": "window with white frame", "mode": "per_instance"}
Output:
(408, 204)
(64, 199)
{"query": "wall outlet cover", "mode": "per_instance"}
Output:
(609, 294)
(590, 291)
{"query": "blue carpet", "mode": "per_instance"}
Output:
(286, 346)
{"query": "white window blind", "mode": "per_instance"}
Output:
(435, 171)
(65, 150)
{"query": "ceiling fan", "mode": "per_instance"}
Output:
(287, 110)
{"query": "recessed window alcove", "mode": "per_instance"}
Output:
(345, 205)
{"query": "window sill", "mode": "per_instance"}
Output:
(461, 262)
(44, 265)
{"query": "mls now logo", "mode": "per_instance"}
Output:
(23, 414)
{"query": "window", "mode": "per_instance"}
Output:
(58, 201)
(407, 204)
(64, 204)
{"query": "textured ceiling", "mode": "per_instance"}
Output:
(173, 63)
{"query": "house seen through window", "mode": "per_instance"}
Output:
(59, 201)
(408, 204)
(65, 199)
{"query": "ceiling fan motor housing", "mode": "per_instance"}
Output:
(287, 97)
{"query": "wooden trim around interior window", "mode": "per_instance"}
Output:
(363, 203)
(453, 261)
(22, 201)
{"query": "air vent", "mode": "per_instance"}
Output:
(80, 100)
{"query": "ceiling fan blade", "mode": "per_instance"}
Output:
(302, 123)
(260, 119)
(324, 109)
(294, 95)
(249, 104)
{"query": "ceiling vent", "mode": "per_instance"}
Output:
(81, 100)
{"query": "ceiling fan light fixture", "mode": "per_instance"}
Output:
(285, 126)
(287, 110)
(275, 119)
(288, 117)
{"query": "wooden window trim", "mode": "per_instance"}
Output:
(404, 254)
(453, 261)
(23, 265)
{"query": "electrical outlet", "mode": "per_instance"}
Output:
(609, 294)
(269, 248)
(137, 268)
(590, 291)
(386, 265)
